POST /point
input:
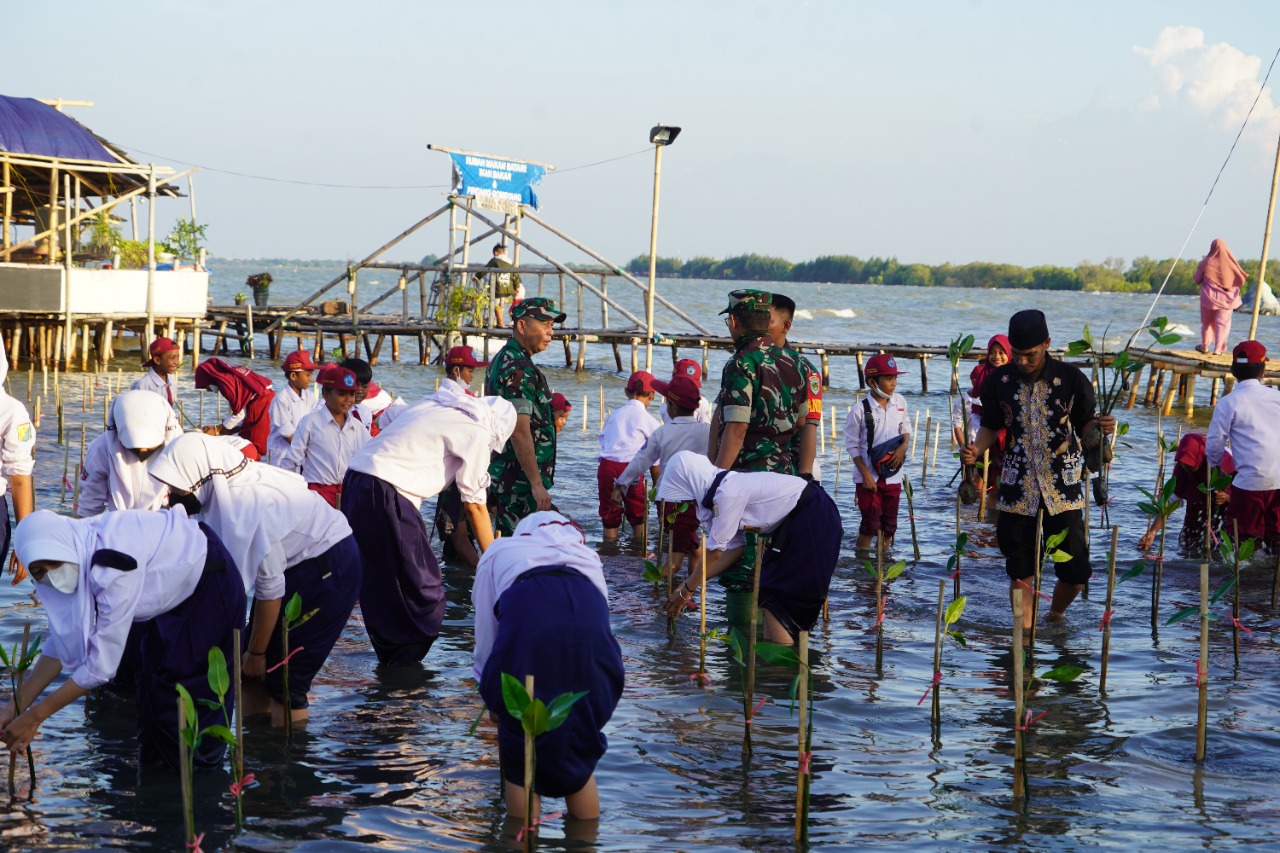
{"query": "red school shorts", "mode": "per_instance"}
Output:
(632, 498)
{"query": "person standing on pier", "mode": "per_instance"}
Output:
(289, 406)
(1220, 279)
(162, 370)
(505, 285)
(1045, 408)
(248, 396)
(524, 470)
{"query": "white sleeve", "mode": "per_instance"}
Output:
(855, 433)
(116, 602)
(472, 478)
(296, 452)
(646, 457)
(234, 419)
(726, 527)
(94, 479)
(18, 443)
(1219, 428)
(268, 584)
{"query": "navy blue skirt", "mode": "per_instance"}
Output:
(174, 648)
(402, 595)
(328, 584)
(553, 624)
(796, 571)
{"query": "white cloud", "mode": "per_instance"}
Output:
(1216, 80)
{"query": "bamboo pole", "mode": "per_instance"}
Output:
(1275, 581)
(955, 589)
(1106, 610)
(924, 463)
(911, 516)
(761, 543)
(936, 708)
(702, 606)
(1202, 666)
(1235, 599)
(937, 437)
(1266, 246)
(1019, 700)
(986, 486)
(184, 776)
(601, 405)
(880, 606)
(530, 825)
(805, 746)
(1035, 592)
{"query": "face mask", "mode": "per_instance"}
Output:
(875, 389)
(64, 578)
(189, 502)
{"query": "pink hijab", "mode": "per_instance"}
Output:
(1220, 277)
(982, 369)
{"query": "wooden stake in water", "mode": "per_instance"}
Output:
(956, 576)
(805, 743)
(665, 527)
(1106, 611)
(924, 462)
(839, 459)
(1019, 700)
(936, 709)
(602, 406)
(184, 776)
(585, 399)
(822, 440)
(911, 516)
(1035, 592)
(762, 544)
(200, 397)
(529, 824)
(986, 483)
(1157, 577)
(1275, 580)
(119, 379)
(914, 430)
(1235, 599)
(937, 438)
(879, 606)
(1202, 667)
(237, 757)
(36, 419)
(66, 470)
(702, 605)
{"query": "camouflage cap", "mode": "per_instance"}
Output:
(537, 308)
(749, 300)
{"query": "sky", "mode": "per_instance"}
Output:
(950, 131)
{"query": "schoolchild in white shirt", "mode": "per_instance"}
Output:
(690, 368)
(328, 437)
(297, 398)
(114, 475)
(17, 460)
(624, 432)
(878, 426)
(460, 365)
(162, 370)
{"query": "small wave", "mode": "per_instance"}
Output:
(844, 313)
(1180, 329)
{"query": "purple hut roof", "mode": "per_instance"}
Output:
(29, 127)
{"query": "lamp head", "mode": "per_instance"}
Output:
(661, 134)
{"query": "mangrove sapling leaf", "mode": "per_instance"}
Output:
(1076, 348)
(535, 717)
(1056, 539)
(895, 570)
(1182, 614)
(188, 711)
(558, 710)
(1138, 568)
(221, 733)
(776, 654)
(955, 610)
(959, 638)
(219, 679)
(1218, 481)
(1222, 590)
(738, 646)
(514, 696)
(871, 570)
(1159, 330)
(1062, 674)
(1060, 556)
(293, 608)
(536, 720)
(652, 573)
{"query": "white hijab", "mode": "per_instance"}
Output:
(155, 539)
(541, 540)
(138, 419)
(250, 505)
(495, 414)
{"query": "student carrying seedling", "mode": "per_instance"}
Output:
(159, 574)
(800, 520)
(1249, 420)
(114, 475)
(298, 398)
(1190, 472)
(542, 609)
(327, 438)
(284, 539)
(623, 434)
(447, 438)
(683, 432)
(875, 436)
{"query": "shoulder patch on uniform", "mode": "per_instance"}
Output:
(26, 432)
(112, 559)
(815, 383)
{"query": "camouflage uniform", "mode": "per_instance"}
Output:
(514, 376)
(766, 387)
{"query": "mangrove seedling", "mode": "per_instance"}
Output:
(17, 660)
(956, 350)
(190, 736)
(293, 618)
(536, 719)
(1159, 506)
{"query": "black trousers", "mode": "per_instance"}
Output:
(1017, 537)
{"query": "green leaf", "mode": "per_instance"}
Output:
(959, 638)
(652, 572)
(1247, 548)
(304, 619)
(558, 710)
(1148, 508)
(961, 541)
(536, 719)
(514, 696)
(1222, 590)
(955, 609)
(791, 694)
(1077, 347)
(188, 708)
(1062, 674)
(1055, 540)
(209, 703)
(293, 609)
(1122, 429)
(1165, 340)
(776, 654)
(1121, 361)
(222, 733)
(951, 563)
(1182, 614)
(966, 344)
(4, 656)
(219, 681)
(895, 570)
(1087, 335)
(1138, 568)
(871, 570)
(1060, 556)
(738, 646)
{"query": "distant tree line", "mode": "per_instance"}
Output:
(1143, 275)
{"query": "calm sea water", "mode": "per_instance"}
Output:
(387, 759)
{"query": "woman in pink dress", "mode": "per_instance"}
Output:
(1220, 279)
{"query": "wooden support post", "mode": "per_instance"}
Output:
(1213, 392)
(1167, 406)
(377, 348)
(705, 354)
(84, 346)
(1133, 388)
(617, 355)
(826, 370)
(862, 379)
(635, 357)
(395, 348)
(924, 374)
(1153, 383)
(1189, 398)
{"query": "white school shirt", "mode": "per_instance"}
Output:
(105, 454)
(287, 408)
(759, 499)
(889, 422)
(702, 415)
(321, 450)
(371, 407)
(964, 404)
(446, 446)
(684, 433)
(17, 441)
(165, 386)
(625, 431)
(1249, 420)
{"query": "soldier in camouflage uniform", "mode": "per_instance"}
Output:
(524, 470)
(762, 407)
(781, 316)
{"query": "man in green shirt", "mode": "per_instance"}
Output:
(524, 470)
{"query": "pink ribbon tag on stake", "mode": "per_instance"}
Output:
(194, 844)
(1106, 619)
(1201, 674)
(537, 823)
(1236, 622)
(238, 788)
(752, 716)
(805, 758)
(286, 659)
(937, 679)
(1029, 588)
(700, 677)
(1029, 721)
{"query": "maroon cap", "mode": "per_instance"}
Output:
(688, 367)
(641, 382)
(162, 345)
(462, 357)
(338, 378)
(300, 360)
(560, 403)
(681, 390)
(1249, 352)
(882, 364)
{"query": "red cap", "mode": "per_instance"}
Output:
(462, 357)
(560, 403)
(681, 390)
(688, 367)
(641, 382)
(300, 360)
(1249, 352)
(162, 345)
(338, 378)
(882, 364)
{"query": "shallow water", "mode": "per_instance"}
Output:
(387, 758)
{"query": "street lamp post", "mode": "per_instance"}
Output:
(660, 136)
